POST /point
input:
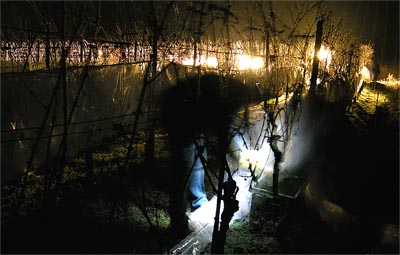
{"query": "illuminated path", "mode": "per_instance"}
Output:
(202, 220)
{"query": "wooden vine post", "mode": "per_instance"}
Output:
(318, 42)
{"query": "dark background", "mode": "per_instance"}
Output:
(374, 21)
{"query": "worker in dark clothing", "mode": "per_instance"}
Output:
(374, 69)
(189, 109)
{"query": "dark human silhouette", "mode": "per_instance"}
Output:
(374, 70)
(190, 110)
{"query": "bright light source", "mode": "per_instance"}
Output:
(325, 55)
(308, 81)
(212, 62)
(189, 62)
(209, 62)
(255, 158)
(248, 62)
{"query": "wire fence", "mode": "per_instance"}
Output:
(23, 138)
(73, 123)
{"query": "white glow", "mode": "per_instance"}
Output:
(248, 62)
(325, 55)
(189, 62)
(254, 158)
(205, 214)
(308, 81)
(212, 62)
(365, 73)
(209, 62)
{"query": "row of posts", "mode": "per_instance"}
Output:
(126, 54)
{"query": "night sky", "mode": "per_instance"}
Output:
(376, 22)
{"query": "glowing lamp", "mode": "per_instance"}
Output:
(189, 62)
(209, 62)
(325, 55)
(248, 62)
(212, 62)
(253, 158)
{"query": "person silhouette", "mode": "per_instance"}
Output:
(374, 69)
(190, 109)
